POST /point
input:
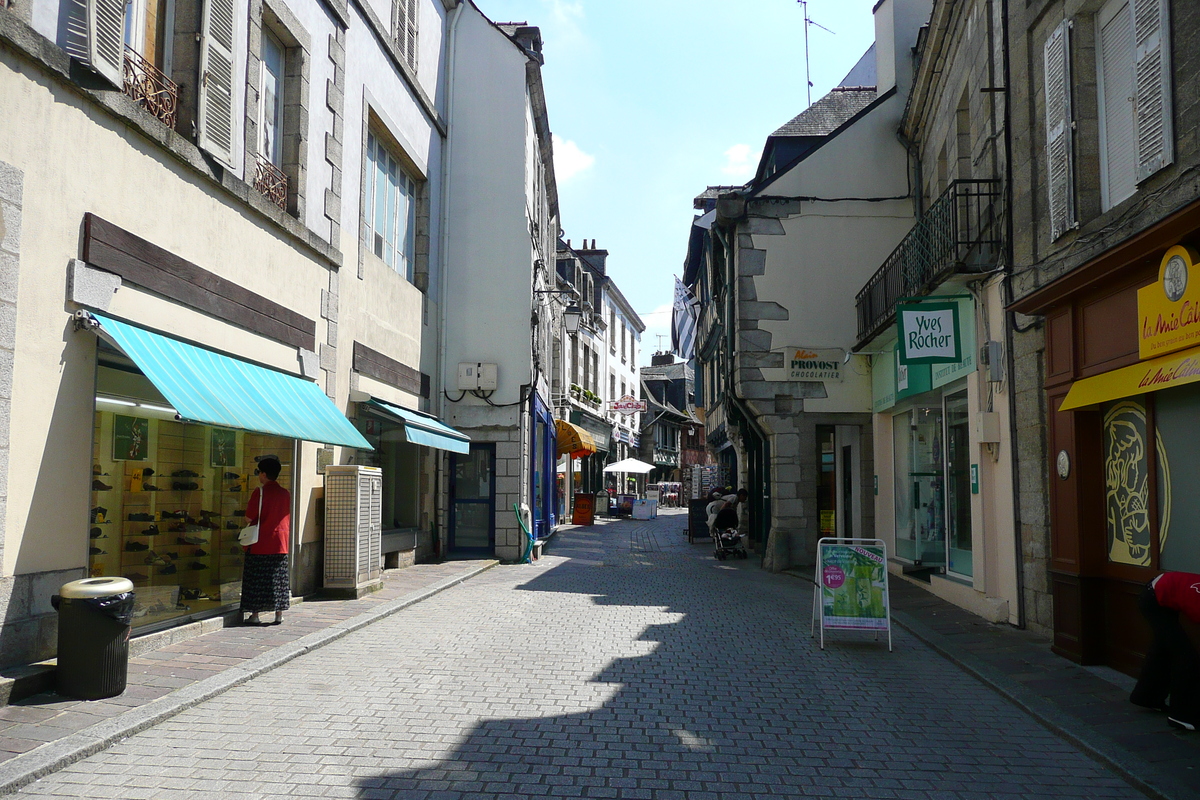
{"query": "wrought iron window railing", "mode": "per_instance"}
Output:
(960, 232)
(150, 88)
(271, 181)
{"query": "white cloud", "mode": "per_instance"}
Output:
(569, 160)
(740, 162)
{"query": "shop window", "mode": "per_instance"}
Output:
(958, 485)
(169, 499)
(826, 480)
(1126, 482)
(1178, 458)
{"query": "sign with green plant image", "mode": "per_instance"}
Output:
(851, 591)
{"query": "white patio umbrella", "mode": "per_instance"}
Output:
(630, 465)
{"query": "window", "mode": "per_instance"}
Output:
(622, 388)
(587, 367)
(623, 331)
(612, 386)
(389, 208)
(612, 331)
(596, 372)
(575, 359)
(270, 121)
(404, 30)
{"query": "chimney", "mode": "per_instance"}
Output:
(662, 359)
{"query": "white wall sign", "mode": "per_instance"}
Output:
(928, 333)
(628, 404)
(813, 364)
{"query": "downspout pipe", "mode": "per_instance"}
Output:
(444, 222)
(1010, 326)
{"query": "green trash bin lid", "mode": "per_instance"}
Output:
(95, 587)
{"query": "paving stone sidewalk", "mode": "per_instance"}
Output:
(624, 664)
(49, 717)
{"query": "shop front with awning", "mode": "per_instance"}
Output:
(406, 443)
(1122, 389)
(178, 431)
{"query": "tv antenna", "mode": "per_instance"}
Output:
(807, 69)
(660, 336)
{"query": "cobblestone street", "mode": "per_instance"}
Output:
(626, 664)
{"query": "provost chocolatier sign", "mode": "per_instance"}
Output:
(928, 333)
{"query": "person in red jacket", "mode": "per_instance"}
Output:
(1172, 667)
(265, 582)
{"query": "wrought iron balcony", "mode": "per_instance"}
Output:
(150, 88)
(271, 181)
(960, 232)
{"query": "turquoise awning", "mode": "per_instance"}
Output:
(204, 386)
(424, 429)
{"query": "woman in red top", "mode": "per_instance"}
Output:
(265, 583)
(1172, 667)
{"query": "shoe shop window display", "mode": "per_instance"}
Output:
(1170, 679)
(168, 501)
(265, 580)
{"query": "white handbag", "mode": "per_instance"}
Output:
(249, 534)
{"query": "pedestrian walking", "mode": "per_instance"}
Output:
(265, 583)
(1170, 678)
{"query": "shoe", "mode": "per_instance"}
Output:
(136, 576)
(178, 527)
(151, 531)
(239, 513)
(200, 553)
(190, 594)
(147, 472)
(142, 517)
(100, 486)
(184, 473)
(198, 565)
(232, 526)
(136, 547)
(146, 487)
(169, 569)
(172, 556)
(96, 533)
(190, 540)
(174, 515)
(96, 551)
(99, 513)
(233, 476)
(96, 469)
(1182, 724)
(182, 486)
(156, 560)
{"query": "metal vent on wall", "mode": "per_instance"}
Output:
(353, 508)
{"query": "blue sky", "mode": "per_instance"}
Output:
(651, 101)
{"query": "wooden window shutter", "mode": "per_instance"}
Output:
(106, 38)
(1060, 178)
(1152, 76)
(215, 113)
(410, 34)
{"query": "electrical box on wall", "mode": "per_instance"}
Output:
(987, 427)
(474, 376)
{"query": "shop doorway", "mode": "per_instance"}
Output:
(473, 500)
(839, 493)
(933, 484)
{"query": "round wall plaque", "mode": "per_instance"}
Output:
(1064, 464)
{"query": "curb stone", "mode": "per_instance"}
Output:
(1138, 772)
(22, 770)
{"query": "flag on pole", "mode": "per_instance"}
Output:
(685, 314)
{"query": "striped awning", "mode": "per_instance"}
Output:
(424, 429)
(573, 440)
(214, 389)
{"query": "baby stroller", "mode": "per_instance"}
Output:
(727, 543)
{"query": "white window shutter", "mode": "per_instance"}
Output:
(106, 38)
(1060, 176)
(1152, 74)
(411, 34)
(215, 114)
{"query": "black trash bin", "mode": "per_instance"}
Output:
(95, 616)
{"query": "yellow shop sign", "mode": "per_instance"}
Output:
(1169, 310)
